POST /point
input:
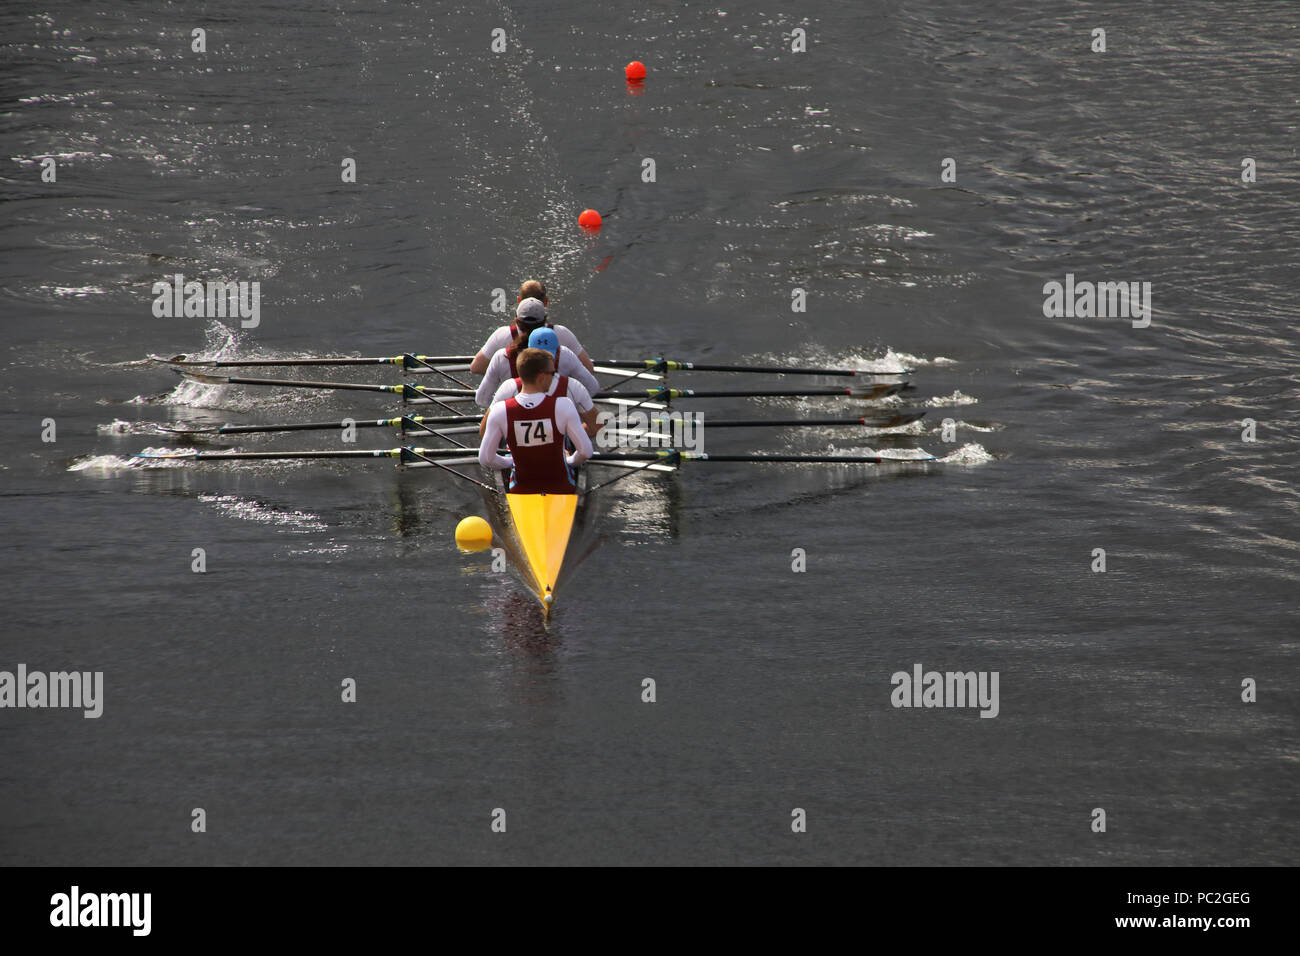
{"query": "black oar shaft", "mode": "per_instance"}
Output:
(671, 458)
(298, 427)
(291, 383)
(706, 422)
(415, 420)
(407, 391)
(665, 365)
(422, 453)
(409, 360)
(746, 393)
(278, 455)
(828, 459)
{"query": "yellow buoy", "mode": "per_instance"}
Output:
(473, 534)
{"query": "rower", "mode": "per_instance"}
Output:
(561, 385)
(529, 316)
(533, 424)
(504, 336)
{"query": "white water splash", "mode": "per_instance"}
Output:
(144, 459)
(224, 343)
(908, 360)
(889, 363)
(948, 401)
(103, 464)
(911, 428)
(905, 454)
(888, 454)
(971, 454)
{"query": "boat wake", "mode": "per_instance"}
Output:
(248, 509)
(971, 453)
(891, 362)
(149, 459)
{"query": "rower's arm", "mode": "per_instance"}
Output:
(573, 428)
(583, 357)
(494, 429)
(488, 387)
(588, 380)
(482, 426)
(582, 402)
(479, 364)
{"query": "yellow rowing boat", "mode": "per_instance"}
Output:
(543, 524)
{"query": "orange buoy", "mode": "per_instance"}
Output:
(635, 70)
(590, 219)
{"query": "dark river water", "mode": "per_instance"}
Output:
(1169, 159)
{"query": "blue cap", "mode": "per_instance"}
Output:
(544, 339)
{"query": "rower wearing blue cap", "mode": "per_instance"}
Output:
(544, 338)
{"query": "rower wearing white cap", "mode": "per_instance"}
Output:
(505, 335)
(529, 316)
(561, 385)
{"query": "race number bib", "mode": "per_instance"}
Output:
(531, 433)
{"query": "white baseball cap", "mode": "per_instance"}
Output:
(531, 311)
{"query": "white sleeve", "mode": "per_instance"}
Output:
(568, 339)
(579, 394)
(566, 418)
(508, 389)
(570, 366)
(497, 371)
(493, 433)
(497, 341)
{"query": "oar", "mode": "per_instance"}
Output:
(424, 453)
(411, 360)
(673, 457)
(658, 393)
(428, 423)
(405, 422)
(406, 360)
(879, 421)
(667, 365)
(408, 455)
(408, 392)
(664, 393)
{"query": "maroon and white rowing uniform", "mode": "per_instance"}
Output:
(533, 426)
(502, 368)
(561, 387)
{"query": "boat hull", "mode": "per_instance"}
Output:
(543, 524)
